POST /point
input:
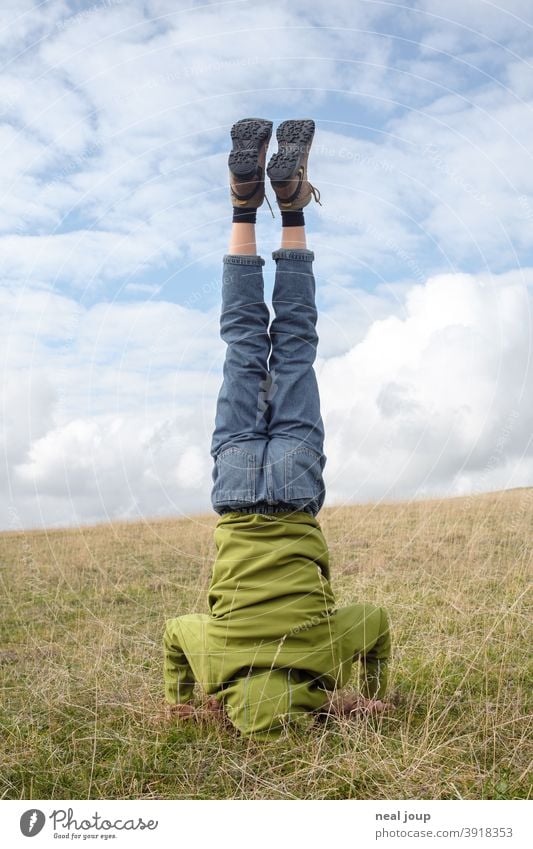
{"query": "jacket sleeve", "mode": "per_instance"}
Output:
(177, 673)
(375, 660)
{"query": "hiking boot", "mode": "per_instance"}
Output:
(246, 162)
(287, 168)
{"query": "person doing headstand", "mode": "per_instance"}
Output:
(274, 647)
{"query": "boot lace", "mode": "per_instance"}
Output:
(315, 193)
(267, 200)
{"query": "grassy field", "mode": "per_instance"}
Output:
(80, 656)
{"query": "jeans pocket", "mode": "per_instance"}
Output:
(303, 474)
(234, 476)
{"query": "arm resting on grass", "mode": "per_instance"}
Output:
(375, 662)
(177, 673)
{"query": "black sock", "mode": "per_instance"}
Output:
(244, 216)
(292, 218)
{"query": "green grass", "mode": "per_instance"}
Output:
(83, 611)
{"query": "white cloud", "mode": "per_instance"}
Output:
(27, 415)
(433, 397)
(23, 22)
(99, 469)
(129, 113)
(114, 138)
(423, 402)
(511, 21)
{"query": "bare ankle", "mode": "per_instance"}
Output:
(242, 240)
(293, 237)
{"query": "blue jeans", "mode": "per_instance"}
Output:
(268, 439)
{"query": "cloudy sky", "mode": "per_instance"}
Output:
(114, 136)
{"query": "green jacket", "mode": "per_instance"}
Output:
(273, 642)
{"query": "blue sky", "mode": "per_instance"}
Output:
(114, 131)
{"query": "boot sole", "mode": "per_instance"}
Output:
(248, 136)
(294, 140)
